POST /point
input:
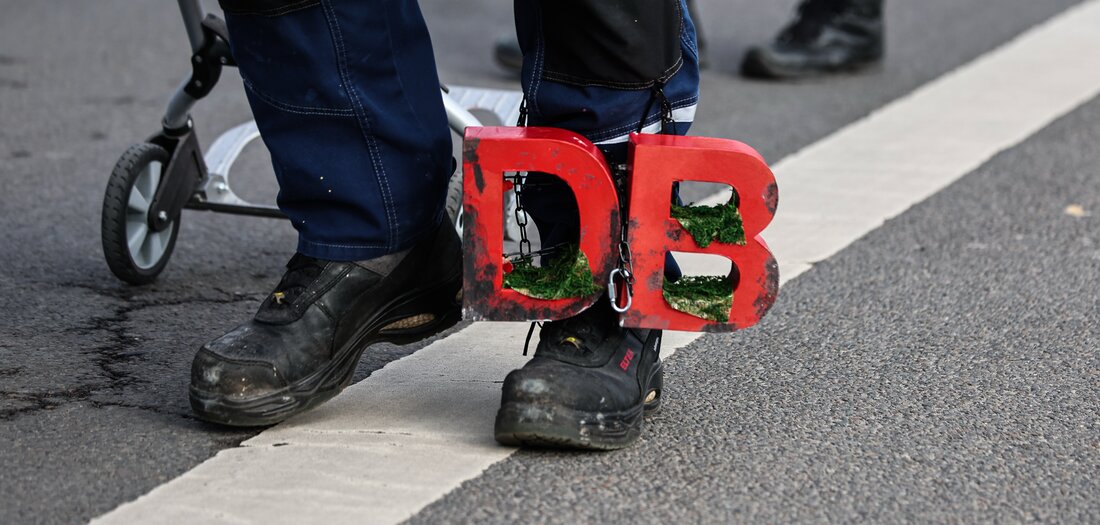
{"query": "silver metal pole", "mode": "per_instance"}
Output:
(193, 14)
(179, 107)
(457, 116)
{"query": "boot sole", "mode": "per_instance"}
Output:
(756, 67)
(326, 383)
(556, 426)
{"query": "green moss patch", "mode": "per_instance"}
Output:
(707, 297)
(567, 276)
(707, 224)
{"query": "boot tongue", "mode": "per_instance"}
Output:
(578, 337)
(301, 271)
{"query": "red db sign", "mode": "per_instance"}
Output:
(656, 163)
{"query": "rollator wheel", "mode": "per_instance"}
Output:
(454, 202)
(134, 252)
(454, 209)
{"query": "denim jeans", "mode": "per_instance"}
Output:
(346, 97)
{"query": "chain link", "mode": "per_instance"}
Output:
(522, 218)
(623, 274)
(517, 189)
(625, 263)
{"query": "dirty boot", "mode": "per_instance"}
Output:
(302, 347)
(588, 385)
(827, 36)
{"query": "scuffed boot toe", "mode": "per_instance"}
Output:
(222, 389)
(218, 376)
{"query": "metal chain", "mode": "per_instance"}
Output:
(522, 121)
(516, 256)
(521, 217)
(666, 110)
(517, 188)
(623, 274)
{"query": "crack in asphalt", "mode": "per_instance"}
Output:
(58, 398)
(123, 347)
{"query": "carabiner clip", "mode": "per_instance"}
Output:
(613, 291)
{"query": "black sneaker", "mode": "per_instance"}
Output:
(302, 347)
(827, 36)
(588, 385)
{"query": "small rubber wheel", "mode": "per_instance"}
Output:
(134, 252)
(454, 202)
(454, 209)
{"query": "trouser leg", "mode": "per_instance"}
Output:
(597, 67)
(590, 68)
(346, 97)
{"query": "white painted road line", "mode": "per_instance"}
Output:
(416, 429)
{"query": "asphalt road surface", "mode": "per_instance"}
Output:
(944, 368)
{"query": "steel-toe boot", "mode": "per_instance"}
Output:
(588, 385)
(302, 346)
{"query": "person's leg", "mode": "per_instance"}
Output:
(347, 100)
(603, 69)
(826, 36)
(507, 53)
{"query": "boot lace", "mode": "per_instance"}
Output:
(301, 270)
(580, 333)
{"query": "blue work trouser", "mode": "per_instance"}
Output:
(346, 97)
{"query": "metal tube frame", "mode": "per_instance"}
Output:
(178, 113)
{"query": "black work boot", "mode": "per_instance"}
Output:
(588, 385)
(302, 346)
(827, 36)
